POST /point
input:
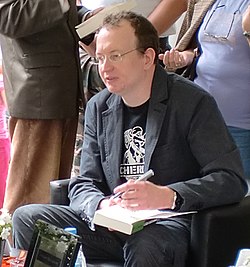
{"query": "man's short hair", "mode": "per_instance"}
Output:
(147, 36)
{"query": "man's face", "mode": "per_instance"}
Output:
(121, 65)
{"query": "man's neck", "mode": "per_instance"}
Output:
(136, 101)
(141, 93)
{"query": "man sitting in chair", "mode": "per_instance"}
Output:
(180, 134)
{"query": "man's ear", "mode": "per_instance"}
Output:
(149, 56)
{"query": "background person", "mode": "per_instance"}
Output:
(154, 10)
(161, 13)
(42, 82)
(145, 119)
(222, 66)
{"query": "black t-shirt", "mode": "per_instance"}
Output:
(134, 140)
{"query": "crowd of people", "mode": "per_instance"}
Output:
(143, 116)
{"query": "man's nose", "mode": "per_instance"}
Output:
(106, 64)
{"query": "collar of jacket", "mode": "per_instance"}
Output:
(112, 119)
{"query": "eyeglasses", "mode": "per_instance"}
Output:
(114, 57)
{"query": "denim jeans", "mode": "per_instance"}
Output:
(161, 244)
(242, 140)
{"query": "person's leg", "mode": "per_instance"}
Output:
(242, 140)
(42, 150)
(99, 244)
(157, 245)
(68, 131)
(162, 244)
(25, 217)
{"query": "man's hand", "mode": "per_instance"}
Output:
(107, 202)
(93, 12)
(144, 195)
(88, 43)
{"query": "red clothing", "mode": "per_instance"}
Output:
(4, 146)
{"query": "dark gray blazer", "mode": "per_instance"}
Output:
(40, 58)
(187, 145)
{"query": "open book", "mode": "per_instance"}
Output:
(129, 222)
(94, 23)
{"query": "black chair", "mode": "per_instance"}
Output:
(217, 234)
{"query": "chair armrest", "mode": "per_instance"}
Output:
(59, 192)
(218, 233)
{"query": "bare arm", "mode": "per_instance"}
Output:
(162, 17)
(246, 23)
(166, 13)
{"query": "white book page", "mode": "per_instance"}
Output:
(119, 212)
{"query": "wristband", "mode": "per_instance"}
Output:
(196, 53)
(174, 204)
(88, 13)
(178, 201)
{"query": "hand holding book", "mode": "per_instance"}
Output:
(88, 39)
(135, 205)
(129, 222)
(92, 24)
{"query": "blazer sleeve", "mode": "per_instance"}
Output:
(89, 188)
(21, 18)
(221, 179)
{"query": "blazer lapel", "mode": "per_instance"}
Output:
(113, 126)
(156, 113)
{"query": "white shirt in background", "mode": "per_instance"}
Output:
(144, 7)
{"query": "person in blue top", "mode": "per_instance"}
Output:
(214, 29)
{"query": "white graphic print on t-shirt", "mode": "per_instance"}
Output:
(133, 160)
